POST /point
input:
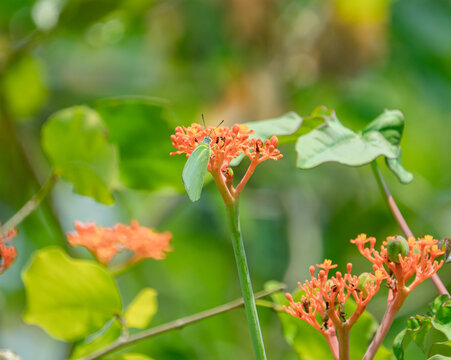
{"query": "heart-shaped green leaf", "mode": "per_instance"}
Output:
(75, 141)
(333, 142)
(69, 298)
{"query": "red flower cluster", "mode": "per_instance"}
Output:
(104, 243)
(226, 145)
(7, 253)
(326, 297)
(420, 260)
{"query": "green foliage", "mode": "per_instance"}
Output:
(309, 343)
(333, 142)
(141, 129)
(431, 332)
(69, 298)
(138, 314)
(130, 356)
(75, 141)
(25, 91)
(141, 310)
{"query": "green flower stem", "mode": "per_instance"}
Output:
(439, 286)
(29, 206)
(245, 281)
(343, 341)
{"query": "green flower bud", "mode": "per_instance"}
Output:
(364, 278)
(395, 246)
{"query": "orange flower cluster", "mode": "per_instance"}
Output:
(326, 297)
(420, 261)
(104, 243)
(7, 253)
(226, 145)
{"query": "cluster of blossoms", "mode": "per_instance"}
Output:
(326, 297)
(397, 261)
(419, 259)
(226, 145)
(104, 243)
(8, 253)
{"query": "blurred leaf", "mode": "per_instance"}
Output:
(75, 140)
(141, 310)
(445, 245)
(421, 329)
(131, 356)
(141, 129)
(284, 125)
(25, 91)
(333, 142)
(69, 298)
(97, 341)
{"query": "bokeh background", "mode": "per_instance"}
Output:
(238, 60)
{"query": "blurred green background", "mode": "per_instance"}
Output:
(238, 60)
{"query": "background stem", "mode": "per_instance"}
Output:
(176, 324)
(439, 286)
(29, 206)
(245, 281)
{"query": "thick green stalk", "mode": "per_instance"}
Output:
(245, 281)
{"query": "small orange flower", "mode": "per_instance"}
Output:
(226, 145)
(105, 243)
(7, 253)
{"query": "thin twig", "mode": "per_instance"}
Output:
(176, 324)
(29, 206)
(439, 286)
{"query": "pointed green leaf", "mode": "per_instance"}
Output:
(69, 298)
(286, 124)
(75, 141)
(141, 129)
(141, 310)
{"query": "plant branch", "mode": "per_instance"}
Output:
(29, 206)
(176, 324)
(245, 281)
(392, 308)
(439, 286)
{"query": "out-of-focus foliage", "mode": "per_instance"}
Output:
(430, 332)
(240, 61)
(62, 291)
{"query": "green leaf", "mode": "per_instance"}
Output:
(428, 331)
(286, 124)
(25, 91)
(141, 128)
(75, 141)
(333, 142)
(68, 298)
(97, 341)
(285, 127)
(130, 356)
(141, 310)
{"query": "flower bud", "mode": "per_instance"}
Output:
(395, 246)
(364, 278)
